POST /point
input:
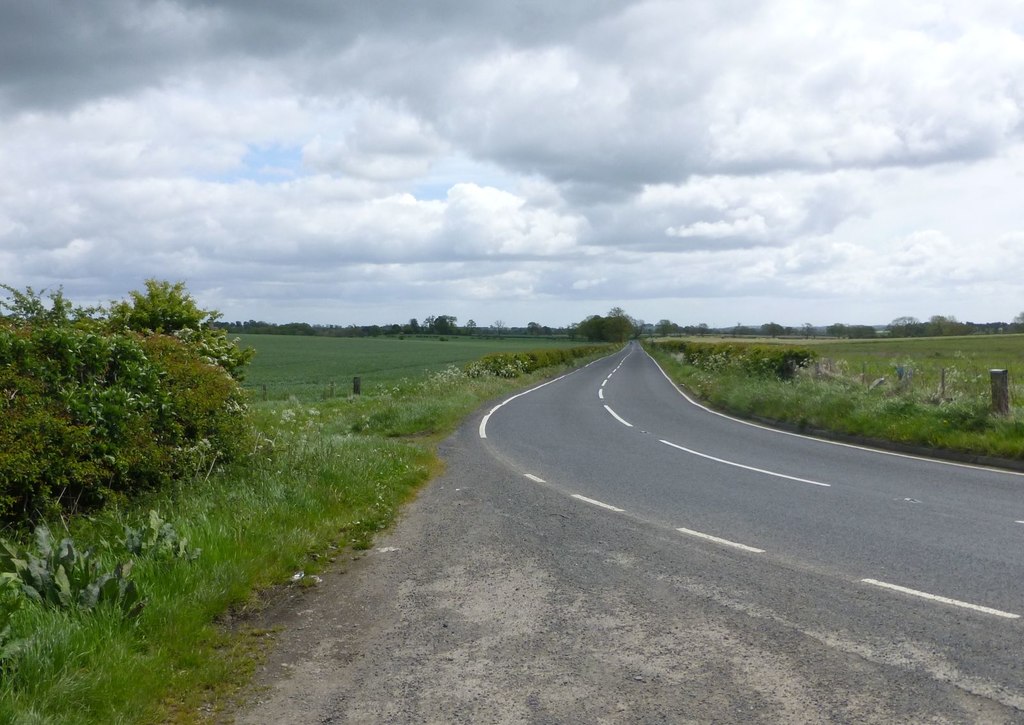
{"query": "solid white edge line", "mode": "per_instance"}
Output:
(598, 503)
(943, 600)
(740, 465)
(492, 411)
(854, 446)
(616, 416)
(537, 479)
(483, 422)
(726, 542)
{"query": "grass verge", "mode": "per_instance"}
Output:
(960, 423)
(323, 476)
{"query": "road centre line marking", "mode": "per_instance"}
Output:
(598, 503)
(600, 393)
(537, 479)
(492, 411)
(726, 542)
(604, 383)
(740, 465)
(616, 416)
(943, 600)
(854, 446)
(483, 423)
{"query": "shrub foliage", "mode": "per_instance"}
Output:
(774, 361)
(514, 364)
(96, 405)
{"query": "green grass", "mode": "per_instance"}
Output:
(966, 360)
(944, 404)
(305, 367)
(324, 478)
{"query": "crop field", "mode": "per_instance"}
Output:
(966, 360)
(306, 367)
(928, 392)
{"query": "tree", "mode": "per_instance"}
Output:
(938, 325)
(664, 328)
(532, 328)
(906, 327)
(445, 325)
(499, 327)
(808, 329)
(592, 328)
(618, 326)
(164, 307)
(772, 329)
(470, 327)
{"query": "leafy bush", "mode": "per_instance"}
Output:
(776, 361)
(92, 410)
(514, 364)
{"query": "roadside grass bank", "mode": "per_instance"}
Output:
(322, 477)
(928, 409)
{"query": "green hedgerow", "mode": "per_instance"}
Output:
(92, 409)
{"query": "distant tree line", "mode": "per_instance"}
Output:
(443, 325)
(936, 326)
(618, 326)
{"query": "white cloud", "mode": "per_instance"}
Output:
(835, 158)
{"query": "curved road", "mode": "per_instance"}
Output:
(602, 549)
(621, 433)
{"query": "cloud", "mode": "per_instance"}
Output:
(546, 156)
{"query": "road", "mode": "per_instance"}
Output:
(603, 549)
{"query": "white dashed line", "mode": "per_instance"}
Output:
(616, 416)
(600, 393)
(534, 478)
(748, 468)
(726, 542)
(598, 503)
(943, 600)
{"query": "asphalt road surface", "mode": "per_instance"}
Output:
(602, 549)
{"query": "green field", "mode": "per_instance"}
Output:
(305, 367)
(928, 392)
(966, 360)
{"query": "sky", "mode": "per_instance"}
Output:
(718, 162)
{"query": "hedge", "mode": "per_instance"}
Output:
(91, 410)
(514, 364)
(778, 361)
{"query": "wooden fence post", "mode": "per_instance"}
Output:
(264, 391)
(1000, 391)
(356, 386)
